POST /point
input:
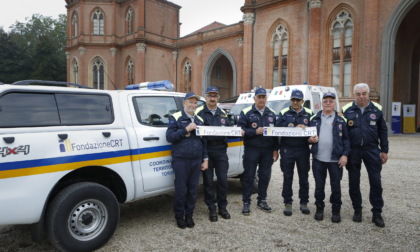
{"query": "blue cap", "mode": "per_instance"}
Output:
(297, 94)
(328, 94)
(212, 89)
(191, 95)
(260, 91)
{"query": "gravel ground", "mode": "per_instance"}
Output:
(148, 225)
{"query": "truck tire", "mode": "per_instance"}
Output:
(82, 217)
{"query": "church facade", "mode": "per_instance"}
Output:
(113, 43)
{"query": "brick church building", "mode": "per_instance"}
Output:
(113, 43)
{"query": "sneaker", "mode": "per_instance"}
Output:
(304, 209)
(180, 222)
(319, 215)
(212, 215)
(336, 218)
(288, 210)
(189, 221)
(245, 209)
(264, 206)
(379, 222)
(224, 213)
(357, 217)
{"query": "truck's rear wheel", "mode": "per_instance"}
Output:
(82, 217)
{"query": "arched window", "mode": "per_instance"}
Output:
(280, 42)
(74, 25)
(342, 36)
(75, 71)
(129, 21)
(98, 22)
(98, 72)
(130, 72)
(187, 77)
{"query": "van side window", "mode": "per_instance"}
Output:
(155, 111)
(43, 109)
(84, 109)
(28, 109)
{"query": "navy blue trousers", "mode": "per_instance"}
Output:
(187, 175)
(290, 156)
(253, 158)
(320, 169)
(372, 160)
(219, 165)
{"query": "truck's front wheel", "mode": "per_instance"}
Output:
(82, 217)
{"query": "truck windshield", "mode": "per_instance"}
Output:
(278, 105)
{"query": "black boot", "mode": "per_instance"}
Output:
(319, 215)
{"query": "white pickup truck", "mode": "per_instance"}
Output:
(70, 156)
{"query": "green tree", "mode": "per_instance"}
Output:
(34, 50)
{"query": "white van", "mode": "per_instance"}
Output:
(279, 97)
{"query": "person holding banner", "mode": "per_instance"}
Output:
(189, 155)
(295, 150)
(259, 151)
(369, 143)
(330, 149)
(218, 159)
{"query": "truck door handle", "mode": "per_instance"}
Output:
(106, 134)
(9, 139)
(63, 136)
(150, 138)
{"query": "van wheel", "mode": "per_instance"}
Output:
(82, 217)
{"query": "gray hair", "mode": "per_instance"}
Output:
(361, 85)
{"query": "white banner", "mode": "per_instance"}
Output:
(218, 131)
(290, 131)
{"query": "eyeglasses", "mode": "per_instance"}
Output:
(295, 100)
(212, 96)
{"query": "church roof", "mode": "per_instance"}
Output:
(209, 27)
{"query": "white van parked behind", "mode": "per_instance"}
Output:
(279, 97)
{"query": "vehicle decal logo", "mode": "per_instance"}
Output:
(6, 151)
(65, 145)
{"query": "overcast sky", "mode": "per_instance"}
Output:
(194, 14)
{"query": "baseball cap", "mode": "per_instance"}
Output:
(212, 89)
(328, 94)
(191, 95)
(260, 91)
(297, 94)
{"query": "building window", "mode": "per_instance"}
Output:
(98, 72)
(342, 51)
(75, 71)
(130, 72)
(98, 22)
(187, 77)
(280, 42)
(74, 25)
(129, 21)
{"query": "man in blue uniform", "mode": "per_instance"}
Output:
(369, 143)
(218, 159)
(189, 156)
(259, 150)
(330, 149)
(295, 150)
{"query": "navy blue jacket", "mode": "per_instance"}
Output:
(185, 147)
(220, 118)
(249, 120)
(341, 141)
(290, 118)
(369, 129)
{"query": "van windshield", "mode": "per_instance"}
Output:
(238, 107)
(277, 106)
